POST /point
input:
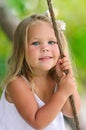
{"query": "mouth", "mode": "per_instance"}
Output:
(45, 58)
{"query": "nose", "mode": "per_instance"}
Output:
(45, 48)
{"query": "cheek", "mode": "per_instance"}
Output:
(32, 54)
(31, 51)
(57, 52)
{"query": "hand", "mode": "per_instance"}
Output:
(67, 83)
(62, 65)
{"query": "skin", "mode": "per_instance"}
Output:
(43, 44)
(42, 54)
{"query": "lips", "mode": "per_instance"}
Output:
(45, 58)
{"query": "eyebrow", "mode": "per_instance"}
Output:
(38, 39)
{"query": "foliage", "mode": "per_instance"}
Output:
(5, 48)
(72, 12)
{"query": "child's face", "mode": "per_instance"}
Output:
(42, 50)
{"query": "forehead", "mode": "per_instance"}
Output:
(41, 28)
(40, 24)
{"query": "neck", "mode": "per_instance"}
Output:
(41, 78)
(43, 86)
(43, 81)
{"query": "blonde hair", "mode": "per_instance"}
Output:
(17, 61)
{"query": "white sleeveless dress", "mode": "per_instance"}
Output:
(10, 119)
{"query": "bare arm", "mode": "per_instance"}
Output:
(67, 108)
(26, 105)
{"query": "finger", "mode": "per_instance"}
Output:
(65, 59)
(63, 76)
(59, 61)
(65, 63)
(67, 68)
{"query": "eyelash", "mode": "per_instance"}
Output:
(35, 43)
(49, 42)
(52, 42)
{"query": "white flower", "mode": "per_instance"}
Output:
(47, 13)
(62, 24)
(56, 13)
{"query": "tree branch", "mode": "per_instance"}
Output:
(8, 22)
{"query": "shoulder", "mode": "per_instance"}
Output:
(16, 87)
(18, 81)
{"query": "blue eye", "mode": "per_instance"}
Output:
(35, 43)
(51, 42)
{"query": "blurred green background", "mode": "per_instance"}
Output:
(72, 12)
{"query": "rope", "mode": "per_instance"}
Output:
(62, 55)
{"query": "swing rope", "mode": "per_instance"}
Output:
(71, 98)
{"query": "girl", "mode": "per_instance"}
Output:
(37, 90)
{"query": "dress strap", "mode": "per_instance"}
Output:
(55, 88)
(31, 84)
